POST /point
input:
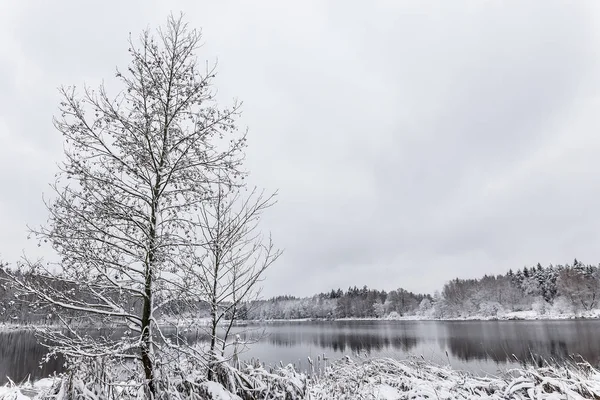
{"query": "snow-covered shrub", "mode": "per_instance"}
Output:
(216, 391)
(103, 379)
(11, 392)
(440, 310)
(417, 379)
(253, 381)
(540, 306)
(379, 309)
(562, 306)
(425, 307)
(347, 379)
(393, 315)
(490, 309)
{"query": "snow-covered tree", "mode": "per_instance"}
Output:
(138, 167)
(540, 306)
(547, 282)
(379, 309)
(425, 306)
(490, 308)
(234, 257)
(458, 296)
(581, 285)
(531, 286)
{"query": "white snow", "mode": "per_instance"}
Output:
(11, 393)
(386, 392)
(44, 383)
(216, 391)
(388, 379)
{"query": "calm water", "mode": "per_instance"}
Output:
(479, 347)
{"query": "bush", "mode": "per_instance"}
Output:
(102, 380)
(393, 315)
(540, 306)
(562, 306)
(490, 309)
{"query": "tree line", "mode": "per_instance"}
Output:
(555, 289)
(569, 288)
(352, 303)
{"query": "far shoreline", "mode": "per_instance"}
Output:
(511, 316)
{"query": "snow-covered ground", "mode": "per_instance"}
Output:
(528, 315)
(533, 315)
(388, 379)
(25, 391)
(509, 315)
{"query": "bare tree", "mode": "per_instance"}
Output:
(123, 220)
(235, 259)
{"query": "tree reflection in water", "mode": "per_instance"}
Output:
(476, 346)
(525, 341)
(345, 342)
(20, 357)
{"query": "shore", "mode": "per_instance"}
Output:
(388, 379)
(528, 315)
(385, 379)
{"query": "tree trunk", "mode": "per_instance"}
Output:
(146, 348)
(147, 335)
(213, 332)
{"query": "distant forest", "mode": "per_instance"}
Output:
(560, 289)
(555, 289)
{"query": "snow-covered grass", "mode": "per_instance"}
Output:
(12, 393)
(388, 379)
(373, 379)
(25, 390)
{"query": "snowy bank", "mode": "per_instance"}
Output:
(388, 379)
(377, 379)
(540, 313)
(528, 315)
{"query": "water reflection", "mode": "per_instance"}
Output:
(344, 342)
(20, 357)
(480, 347)
(535, 341)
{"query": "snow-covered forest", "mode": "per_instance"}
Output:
(568, 289)
(555, 289)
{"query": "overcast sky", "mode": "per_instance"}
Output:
(411, 142)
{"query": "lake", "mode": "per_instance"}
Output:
(481, 347)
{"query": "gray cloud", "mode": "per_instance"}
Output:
(410, 143)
